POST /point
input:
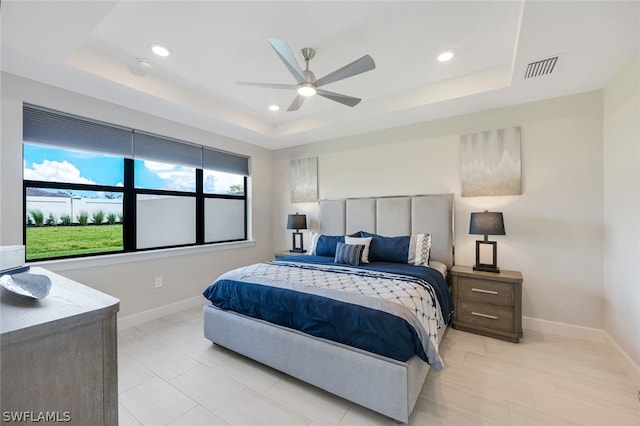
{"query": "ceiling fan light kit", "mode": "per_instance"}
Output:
(307, 84)
(306, 89)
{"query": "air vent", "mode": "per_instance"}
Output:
(542, 67)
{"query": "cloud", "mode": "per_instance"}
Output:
(55, 171)
(179, 178)
(157, 167)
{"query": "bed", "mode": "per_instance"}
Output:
(383, 375)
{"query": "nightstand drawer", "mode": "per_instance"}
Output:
(485, 291)
(486, 315)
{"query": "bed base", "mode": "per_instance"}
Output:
(381, 384)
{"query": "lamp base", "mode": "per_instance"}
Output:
(483, 265)
(487, 268)
(294, 243)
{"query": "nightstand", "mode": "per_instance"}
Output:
(284, 253)
(487, 303)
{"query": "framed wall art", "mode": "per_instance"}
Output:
(303, 180)
(490, 163)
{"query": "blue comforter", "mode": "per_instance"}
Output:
(337, 316)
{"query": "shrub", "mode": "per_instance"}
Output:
(37, 216)
(111, 218)
(65, 220)
(97, 217)
(236, 189)
(83, 218)
(50, 220)
(120, 217)
(29, 221)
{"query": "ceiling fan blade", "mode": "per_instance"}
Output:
(356, 67)
(343, 99)
(267, 85)
(286, 55)
(297, 102)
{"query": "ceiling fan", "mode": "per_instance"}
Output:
(307, 84)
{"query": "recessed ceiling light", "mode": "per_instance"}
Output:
(160, 50)
(274, 107)
(445, 56)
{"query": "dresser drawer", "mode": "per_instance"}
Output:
(486, 315)
(485, 291)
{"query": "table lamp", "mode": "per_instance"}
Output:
(297, 222)
(486, 223)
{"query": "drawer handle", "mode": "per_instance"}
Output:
(484, 315)
(480, 290)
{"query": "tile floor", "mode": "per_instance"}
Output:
(169, 374)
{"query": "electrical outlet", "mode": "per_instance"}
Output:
(157, 282)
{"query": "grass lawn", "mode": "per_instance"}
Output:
(55, 241)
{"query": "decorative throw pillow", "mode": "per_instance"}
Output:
(388, 249)
(411, 249)
(349, 254)
(420, 249)
(326, 245)
(365, 241)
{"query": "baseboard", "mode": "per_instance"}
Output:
(151, 314)
(585, 333)
(630, 367)
(564, 329)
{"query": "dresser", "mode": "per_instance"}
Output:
(59, 355)
(487, 303)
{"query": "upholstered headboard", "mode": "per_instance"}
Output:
(393, 216)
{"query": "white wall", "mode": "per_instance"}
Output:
(554, 229)
(132, 281)
(622, 208)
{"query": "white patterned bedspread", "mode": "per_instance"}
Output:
(410, 298)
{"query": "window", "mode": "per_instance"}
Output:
(95, 188)
(222, 183)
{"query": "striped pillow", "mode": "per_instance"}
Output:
(349, 254)
(420, 249)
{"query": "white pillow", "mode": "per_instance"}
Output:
(364, 241)
(313, 240)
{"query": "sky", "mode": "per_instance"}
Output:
(64, 165)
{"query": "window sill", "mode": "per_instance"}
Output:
(120, 258)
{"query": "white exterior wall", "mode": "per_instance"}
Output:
(60, 206)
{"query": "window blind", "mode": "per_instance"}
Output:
(224, 162)
(47, 127)
(159, 148)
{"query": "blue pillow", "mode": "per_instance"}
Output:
(326, 245)
(388, 249)
(349, 254)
